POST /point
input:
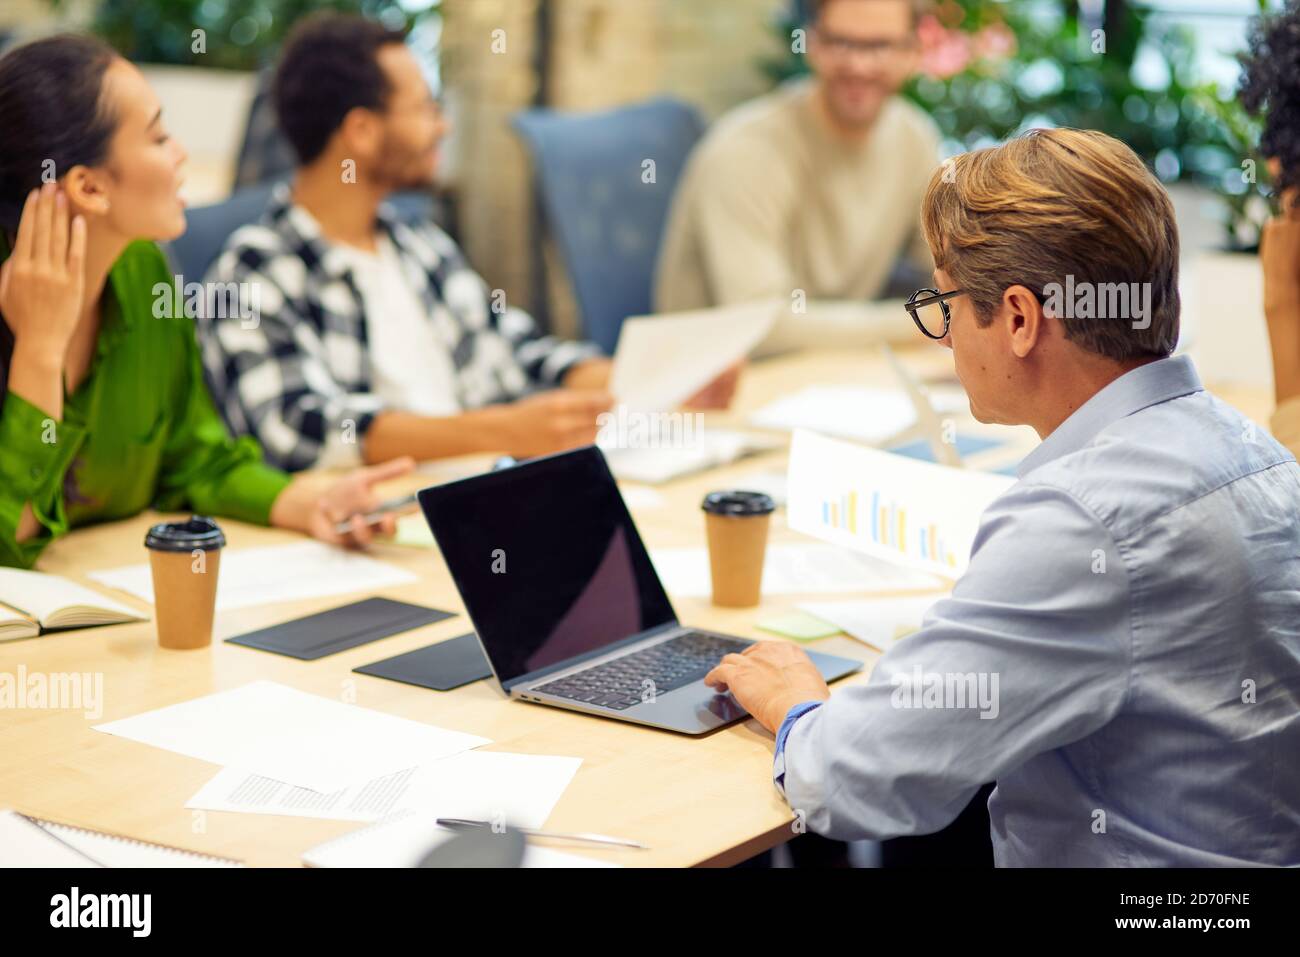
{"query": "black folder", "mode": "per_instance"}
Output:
(341, 628)
(446, 665)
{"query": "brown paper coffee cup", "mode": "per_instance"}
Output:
(736, 525)
(185, 558)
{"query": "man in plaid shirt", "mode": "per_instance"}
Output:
(371, 337)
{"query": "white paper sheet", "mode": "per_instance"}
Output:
(661, 361)
(888, 506)
(877, 621)
(802, 569)
(292, 736)
(275, 573)
(864, 414)
(518, 789)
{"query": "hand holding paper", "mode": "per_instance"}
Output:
(665, 361)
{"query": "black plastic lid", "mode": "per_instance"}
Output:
(198, 532)
(736, 502)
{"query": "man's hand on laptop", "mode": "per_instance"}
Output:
(768, 679)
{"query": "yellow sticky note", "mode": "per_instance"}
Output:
(798, 625)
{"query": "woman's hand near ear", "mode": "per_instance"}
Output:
(41, 286)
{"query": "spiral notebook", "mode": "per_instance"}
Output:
(27, 841)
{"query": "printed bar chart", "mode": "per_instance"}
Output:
(891, 506)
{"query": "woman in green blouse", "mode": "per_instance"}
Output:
(105, 411)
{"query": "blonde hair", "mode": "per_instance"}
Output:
(1055, 209)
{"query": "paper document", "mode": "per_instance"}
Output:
(520, 789)
(866, 415)
(661, 361)
(877, 621)
(888, 506)
(802, 569)
(863, 414)
(292, 736)
(274, 573)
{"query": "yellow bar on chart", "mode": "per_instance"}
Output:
(853, 512)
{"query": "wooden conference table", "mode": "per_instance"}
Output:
(694, 801)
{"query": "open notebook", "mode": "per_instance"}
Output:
(32, 603)
(33, 842)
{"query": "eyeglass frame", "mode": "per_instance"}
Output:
(913, 305)
(843, 47)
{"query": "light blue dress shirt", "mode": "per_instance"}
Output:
(1122, 656)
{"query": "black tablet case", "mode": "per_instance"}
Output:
(446, 665)
(341, 628)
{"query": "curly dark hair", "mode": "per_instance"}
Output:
(328, 67)
(1270, 86)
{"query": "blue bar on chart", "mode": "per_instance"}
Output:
(841, 513)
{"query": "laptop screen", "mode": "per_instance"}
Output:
(547, 560)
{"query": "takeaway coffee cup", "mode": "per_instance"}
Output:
(736, 524)
(185, 558)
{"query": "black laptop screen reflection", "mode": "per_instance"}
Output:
(548, 562)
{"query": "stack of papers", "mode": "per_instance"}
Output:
(291, 753)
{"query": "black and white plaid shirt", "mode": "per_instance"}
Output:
(297, 374)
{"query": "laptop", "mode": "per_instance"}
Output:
(929, 424)
(567, 606)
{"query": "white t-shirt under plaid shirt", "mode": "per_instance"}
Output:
(410, 363)
(299, 376)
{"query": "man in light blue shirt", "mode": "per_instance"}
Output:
(1123, 654)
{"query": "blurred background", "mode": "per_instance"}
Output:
(1164, 83)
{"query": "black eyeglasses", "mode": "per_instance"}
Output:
(929, 310)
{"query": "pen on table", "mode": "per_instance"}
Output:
(370, 518)
(456, 822)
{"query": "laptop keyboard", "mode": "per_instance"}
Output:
(621, 683)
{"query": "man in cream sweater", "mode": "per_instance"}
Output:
(811, 192)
